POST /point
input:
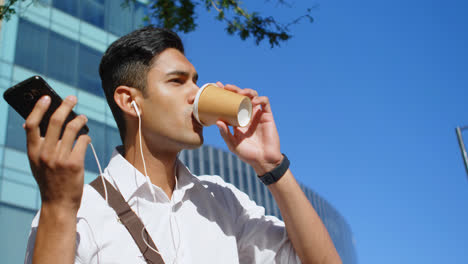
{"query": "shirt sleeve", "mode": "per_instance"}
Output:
(30, 245)
(261, 238)
(32, 240)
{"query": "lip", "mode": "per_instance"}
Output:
(195, 124)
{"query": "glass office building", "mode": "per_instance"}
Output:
(63, 41)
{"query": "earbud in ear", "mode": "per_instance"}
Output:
(136, 108)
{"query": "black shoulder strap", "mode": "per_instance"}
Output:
(129, 219)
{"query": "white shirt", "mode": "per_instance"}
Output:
(206, 221)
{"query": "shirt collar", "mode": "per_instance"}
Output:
(132, 183)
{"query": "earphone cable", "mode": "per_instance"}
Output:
(105, 191)
(100, 170)
(148, 181)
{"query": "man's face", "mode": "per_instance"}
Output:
(167, 120)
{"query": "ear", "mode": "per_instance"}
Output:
(123, 97)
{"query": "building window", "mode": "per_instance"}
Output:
(67, 6)
(236, 174)
(272, 203)
(245, 179)
(206, 160)
(31, 46)
(119, 18)
(105, 139)
(216, 162)
(138, 14)
(61, 58)
(97, 134)
(109, 15)
(206, 166)
(226, 165)
(88, 70)
(196, 162)
(16, 136)
(15, 223)
(92, 11)
(112, 140)
(263, 194)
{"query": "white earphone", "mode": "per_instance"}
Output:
(136, 108)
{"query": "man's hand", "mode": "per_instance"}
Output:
(57, 165)
(258, 143)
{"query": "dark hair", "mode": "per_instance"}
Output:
(128, 60)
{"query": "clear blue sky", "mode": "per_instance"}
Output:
(366, 100)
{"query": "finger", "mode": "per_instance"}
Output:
(233, 88)
(56, 122)
(79, 150)
(220, 84)
(264, 102)
(249, 92)
(69, 136)
(33, 132)
(226, 133)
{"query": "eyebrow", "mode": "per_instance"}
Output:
(183, 73)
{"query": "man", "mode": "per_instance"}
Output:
(190, 219)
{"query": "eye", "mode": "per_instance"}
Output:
(177, 80)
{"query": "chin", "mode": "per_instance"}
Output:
(194, 142)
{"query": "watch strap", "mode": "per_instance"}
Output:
(276, 174)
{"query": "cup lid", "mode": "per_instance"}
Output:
(197, 98)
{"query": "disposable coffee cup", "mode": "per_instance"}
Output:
(213, 103)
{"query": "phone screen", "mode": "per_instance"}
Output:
(24, 96)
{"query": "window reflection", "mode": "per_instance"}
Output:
(217, 170)
(15, 223)
(67, 6)
(16, 136)
(263, 196)
(109, 15)
(206, 160)
(93, 12)
(31, 46)
(112, 140)
(88, 70)
(226, 173)
(138, 14)
(97, 134)
(196, 162)
(236, 176)
(119, 18)
(61, 58)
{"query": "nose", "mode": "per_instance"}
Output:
(193, 93)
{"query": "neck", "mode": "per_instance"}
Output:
(160, 165)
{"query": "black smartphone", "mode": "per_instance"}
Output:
(24, 96)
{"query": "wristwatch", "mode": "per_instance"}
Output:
(276, 174)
